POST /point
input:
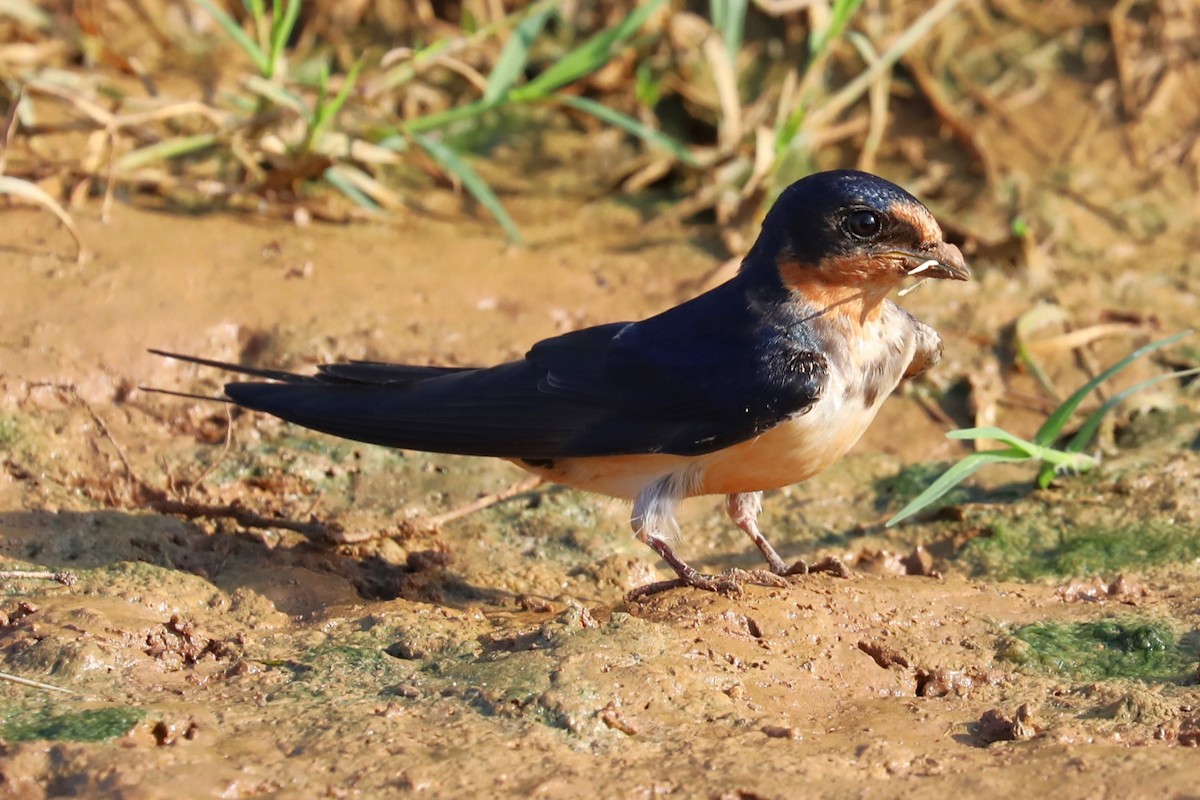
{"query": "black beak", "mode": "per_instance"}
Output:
(948, 262)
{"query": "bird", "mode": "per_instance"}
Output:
(759, 383)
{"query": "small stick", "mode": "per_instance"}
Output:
(960, 128)
(484, 501)
(220, 456)
(917, 270)
(237, 513)
(65, 578)
(4, 676)
(429, 525)
(70, 390)
(853, 90)
(10, 127)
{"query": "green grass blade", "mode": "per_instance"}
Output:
(280, 96)
(407, 70)
(998, 434)
(234, 31)
(840, 15)
(1054, 424)
(952, 477)
(630, 125)
(164, 151)
(339, 180)
(1084, 435)
(729, 17)
(282, 26)
(454, 165)
(327, 110)
(786, 133)
(515, 55)
(440, 119)
(588, 57)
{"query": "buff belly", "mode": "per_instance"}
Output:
(791, 452)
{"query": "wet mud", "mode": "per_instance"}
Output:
(1041, 641)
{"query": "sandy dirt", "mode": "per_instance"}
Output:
(1019, 641)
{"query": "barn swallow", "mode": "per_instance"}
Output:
(760, 383)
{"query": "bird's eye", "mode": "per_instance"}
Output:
(864, 224)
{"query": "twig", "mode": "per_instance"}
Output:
(1083, 337)
(10, 126)
(71, 391)
(114, 122)
(850, 93)
(1116, 30)
(994, 107)
(65, 578)
(934, 412)
(5, 676)
(220, 456)
(420, 525)
(484, 501)
(878, 96)
(962, 130)
(236, 512)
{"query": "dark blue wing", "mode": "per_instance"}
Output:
(704, 375)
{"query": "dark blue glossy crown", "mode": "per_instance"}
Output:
(805, 218)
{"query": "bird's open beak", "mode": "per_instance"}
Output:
(944, 260)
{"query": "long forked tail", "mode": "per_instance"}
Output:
(375, 373)
(269, 374)
(498, 411)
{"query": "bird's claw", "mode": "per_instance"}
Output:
(728, 582)
(759, 577)
(831, 565)
(720, 584)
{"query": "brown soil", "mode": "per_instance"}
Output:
(496, 656)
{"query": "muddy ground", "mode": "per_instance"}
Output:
(1019, 640)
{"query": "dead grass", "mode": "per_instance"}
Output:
(151, 98)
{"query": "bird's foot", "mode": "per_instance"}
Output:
(830, 564)
(760, 577)
(729, 582)
(721, 584)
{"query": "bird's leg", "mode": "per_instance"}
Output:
(688, 575)
(654, 510)
(743, 508)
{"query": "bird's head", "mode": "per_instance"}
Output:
(853, 230)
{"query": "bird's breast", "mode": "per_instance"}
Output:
(794, 450)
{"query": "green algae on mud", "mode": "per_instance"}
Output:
(89, 725)
(896, 490)
(10, 431)
(1136, 649)
(1028, 548)
(1136, 512)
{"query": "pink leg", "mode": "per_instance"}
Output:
(743, 508)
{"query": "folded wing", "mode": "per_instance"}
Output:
(697, 378)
